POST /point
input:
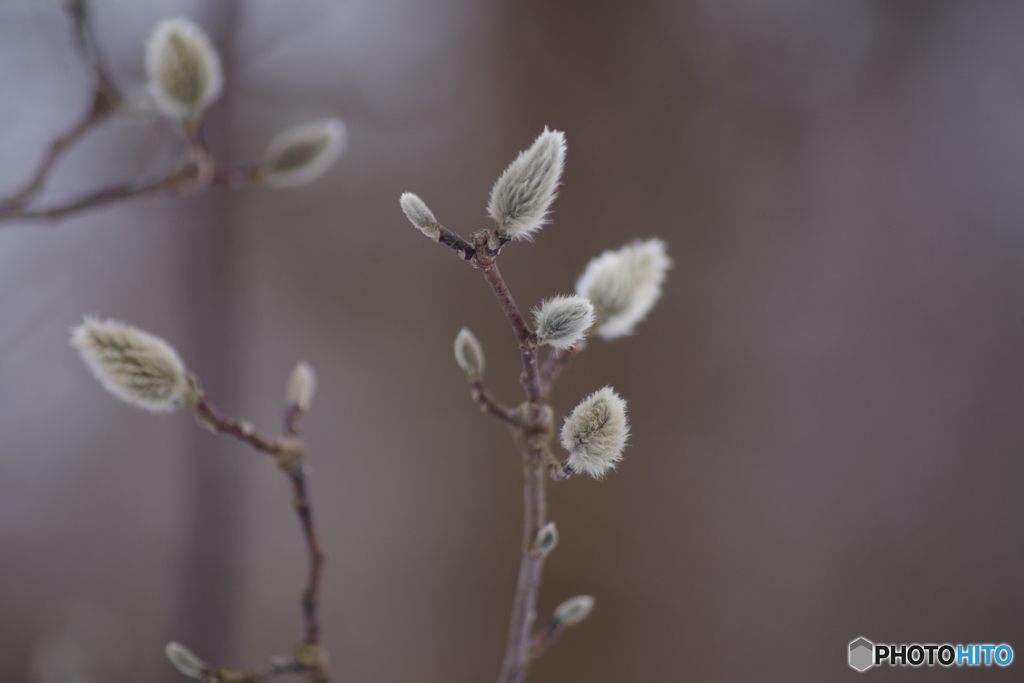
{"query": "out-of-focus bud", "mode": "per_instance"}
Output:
(522, 196)
(301, 387)
(574, 610)
(183, 69)
(563, 320)
(420, 215)
(547, 539)
(469, 354)
(184, 661)
(624, 285)
(133, 365)
(596, 432)
(303, 154)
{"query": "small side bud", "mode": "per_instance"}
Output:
(303, 154)
(183, 69)
(301, 387)
(624, 285)
(547, 539)
(419, 214)
(133, 365)
(469, 354)
(574, 610)
(522, 196)
(596, 432)
(184, 661)
(563, 320)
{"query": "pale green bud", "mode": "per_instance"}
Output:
(596, 432)
(183, 68)
(574, 610)
(133, 365)
(303, 154)
(469, 354)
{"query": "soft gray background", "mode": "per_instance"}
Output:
(827, 403)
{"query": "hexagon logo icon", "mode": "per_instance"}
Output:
(862, 653)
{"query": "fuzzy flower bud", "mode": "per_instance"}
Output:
(596, 433)
(547, 539)
(303, 154)
(574, 610)
(523, 194)
(420, 215)
(562, 321)
(183, 69)
(624, 285)
(184, 661)
(469, 354)
(133, 365)
(301, 387)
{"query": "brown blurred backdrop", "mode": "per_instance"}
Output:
(827, 404)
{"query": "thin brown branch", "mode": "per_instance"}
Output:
(105, 99)
(217, 422)
(545, 638)
(554, 363)
(490, 405)
(524, 605)
(287, 452)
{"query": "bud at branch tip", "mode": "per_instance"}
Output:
(596, 432)
(562, 321)
(183, 69)
(522, 196)
(184, 661)
(469, 354)
(303, 154)
(420, 215)
(574, 610)
(135, 366)
(301, 387)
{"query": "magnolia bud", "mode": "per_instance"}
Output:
(419, 214)
(301, 387)
(184, 661)
(133, 365)
(596, 433)
(523, 194)
(547, 538)
(469, 354)
(574, 610)
(302, 154)
(624, 285)
(183, 69)
(563, 320)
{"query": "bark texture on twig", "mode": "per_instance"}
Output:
(288, 453)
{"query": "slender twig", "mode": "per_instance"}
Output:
(105, 99)
(490, 405)
(555, 362)
(545, 637)
(287, 452)
(533, 429)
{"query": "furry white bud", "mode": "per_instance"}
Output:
(184, 661)
(574, 610)
(547, 539)
(420, 215)
(303, 154)
(562, 321)
(523, 194)
(469, 354)
(133, 365)
(596, 432)
(183, 69)
(624, 285)
(301, 387)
